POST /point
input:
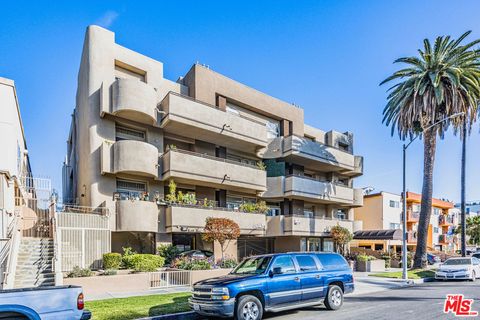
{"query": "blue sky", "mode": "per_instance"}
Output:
(326, 56)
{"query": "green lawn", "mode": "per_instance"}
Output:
(412, 274)
(138, 307)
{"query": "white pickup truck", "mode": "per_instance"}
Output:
(60, 302)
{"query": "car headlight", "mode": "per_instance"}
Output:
(220, 294)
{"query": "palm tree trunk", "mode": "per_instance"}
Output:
(429, 145)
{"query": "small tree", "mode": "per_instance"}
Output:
(341, 237)
(222, 230)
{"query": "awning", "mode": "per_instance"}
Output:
(390, 234)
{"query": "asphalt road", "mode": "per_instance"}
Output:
(423, 301)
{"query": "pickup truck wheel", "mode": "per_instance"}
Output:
(334, 298)
(248, 308)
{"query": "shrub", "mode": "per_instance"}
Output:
(168, 252)
(260, 207)
(109, 272)
(78, 272)
(186, 263)
(112, 260)
(127, 253)
(143, 262)
(364, 258)
(228, 263)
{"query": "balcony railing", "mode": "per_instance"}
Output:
(207, 156)
(412, 216)
(444, 238)
(412, 237)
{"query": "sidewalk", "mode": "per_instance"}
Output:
(364, 284)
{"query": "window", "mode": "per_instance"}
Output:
(435, 230)
(124, 133)
(327, 246)
(395, 226)
(306, 263)
(416, 208)
(284, 262)
(341, 214)
(332, 261)
(273, 129)
(314, 244)
(274, 210)
(125, 71)
(436, 211)
(129, 189)
(308, 211)
(394, 204)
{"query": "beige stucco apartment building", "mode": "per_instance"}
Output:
(221, 142)
(383, 211)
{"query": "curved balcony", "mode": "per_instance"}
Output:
(303, 226)
(135, 157)
(137, 216)
(134, 100)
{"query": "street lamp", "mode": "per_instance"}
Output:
(404, 193)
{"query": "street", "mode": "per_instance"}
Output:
(424, 301)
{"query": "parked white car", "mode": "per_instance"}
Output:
(459, 268)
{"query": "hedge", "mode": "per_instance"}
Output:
(112, 261)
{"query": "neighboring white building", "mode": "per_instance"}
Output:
(14, 161)
(473, 208)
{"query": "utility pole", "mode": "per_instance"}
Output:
(463, 187)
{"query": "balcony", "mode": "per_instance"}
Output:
(136, 216)
(201, 169)
(304, 188)
(445, 221)
(134, 100)
(411, 237)
(313, 155)
(412, 216)
(303, 226)
(196, 119)
(445, 239)
(193, 218)
(131, 156)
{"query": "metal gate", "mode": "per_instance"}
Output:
(169, 279)
(83, 238)
(33, 205)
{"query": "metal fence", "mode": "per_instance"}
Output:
(168, 279)
(83, 239)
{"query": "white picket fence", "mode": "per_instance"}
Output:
(169, 279)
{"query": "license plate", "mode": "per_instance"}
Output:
(449, 275)
(196, 307)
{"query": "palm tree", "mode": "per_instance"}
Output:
(438, 83)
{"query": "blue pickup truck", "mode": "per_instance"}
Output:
(275, 282)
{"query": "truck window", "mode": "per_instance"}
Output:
(255, 265)
(332, 261)
(306, 263)
(284, 262)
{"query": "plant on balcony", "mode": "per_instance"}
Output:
(222, 230)
(168, 252)
(208, 203)
(172, 147)
(261, 165)
(341, 237)
(187, 199)
(260, 207)
(172, 192)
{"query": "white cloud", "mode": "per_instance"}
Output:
(107, 19)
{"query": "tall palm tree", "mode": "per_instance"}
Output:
(438, 83)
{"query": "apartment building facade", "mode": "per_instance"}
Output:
(383, 211)
(164, 155)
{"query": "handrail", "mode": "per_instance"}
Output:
(208, 207)
(313, 179)
(321, 143)
(15, 233)
(206, 156)
(85, 209)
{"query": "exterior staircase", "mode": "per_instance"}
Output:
(34, 264)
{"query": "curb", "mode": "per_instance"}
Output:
(420, 281)
(189, 315)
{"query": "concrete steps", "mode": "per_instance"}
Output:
(34, 263)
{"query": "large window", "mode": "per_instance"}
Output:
(125, 133)
(129, 189)
(341, 214)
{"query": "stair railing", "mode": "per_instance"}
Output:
(13, 244)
